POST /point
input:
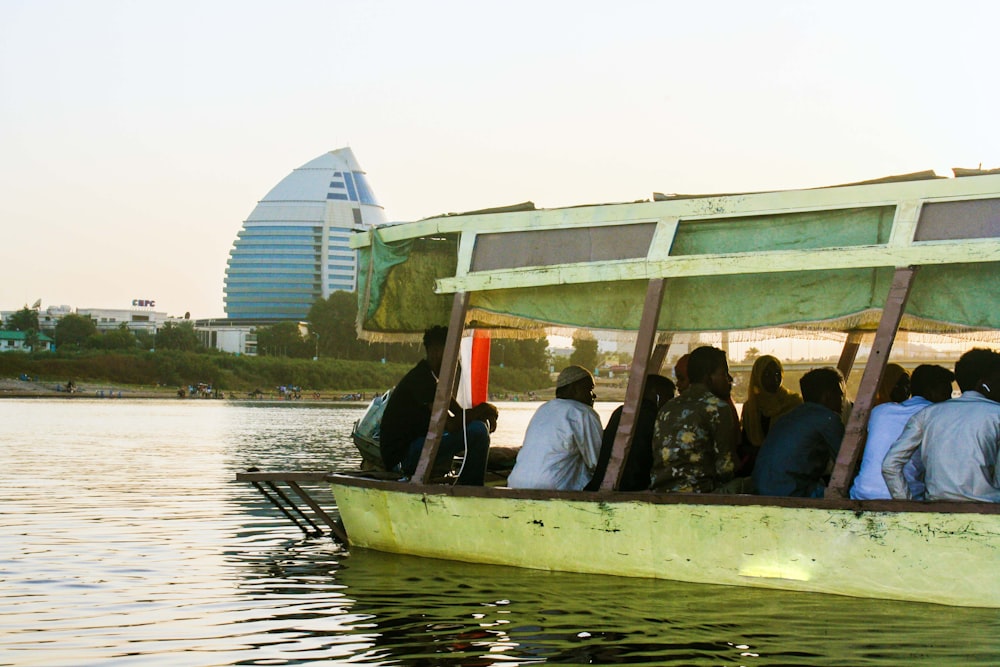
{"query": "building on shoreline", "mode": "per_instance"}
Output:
(294, 247)
(20, 341)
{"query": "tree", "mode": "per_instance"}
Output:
(25, 319)
(751, 354)
(31, 339)
(520, 353)
(73, 330)
(333, 319)
(584, 350)
(119, 339)
(283, 340)
(178, 337)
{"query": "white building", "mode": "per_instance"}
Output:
(294, 248)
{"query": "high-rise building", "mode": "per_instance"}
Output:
(293, 248)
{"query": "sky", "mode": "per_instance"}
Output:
(136, 137)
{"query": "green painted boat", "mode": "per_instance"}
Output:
(918, 254)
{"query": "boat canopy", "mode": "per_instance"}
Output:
(800, 260)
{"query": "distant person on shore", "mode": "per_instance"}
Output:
(930, 384)
(563, 438)
(694, 439)
(407, 419)
(635, 473)
(958, 440)
(767, 401)
(801, 447)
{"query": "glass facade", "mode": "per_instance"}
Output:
(294, 248)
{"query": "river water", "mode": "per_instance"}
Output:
(124, 538)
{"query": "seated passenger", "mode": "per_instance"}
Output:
(635, 475)
(681, 373)
(930, 384)
(801, 446)
(563, 438)
(894, 387)
(407, 418)
(957, 439)
(766, 401)
(694, 439)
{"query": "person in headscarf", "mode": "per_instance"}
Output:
(894, 387)
(766, 401)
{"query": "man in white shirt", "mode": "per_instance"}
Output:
(930, 384)
(958, 440)
(563, 438)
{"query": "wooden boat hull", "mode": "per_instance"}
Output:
(945, 557)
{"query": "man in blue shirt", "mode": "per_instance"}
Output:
(799, 448)
(958, 440)
(930, 384)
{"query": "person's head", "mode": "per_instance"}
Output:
(577, 384)
(824, 386)
(658, 390)
(681, 373)
(975, 366)
(709, 366)
(434, 341)
(766, 374)
(932, 382)
(895, 385)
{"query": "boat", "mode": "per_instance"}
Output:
(914, 255)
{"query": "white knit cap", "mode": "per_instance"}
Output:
(572, 374)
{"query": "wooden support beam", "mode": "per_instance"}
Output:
(445, 389)
(336, 528)
(849, 353)
(636, 383)
(659, 353)
(857, 426)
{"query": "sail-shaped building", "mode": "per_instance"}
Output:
(293, 248)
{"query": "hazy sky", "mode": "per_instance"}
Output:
(135, 137)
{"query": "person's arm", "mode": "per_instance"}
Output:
(897, 456)
(484, 412)
(726, 442)
(588, 434)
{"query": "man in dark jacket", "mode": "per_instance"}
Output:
(407, 418)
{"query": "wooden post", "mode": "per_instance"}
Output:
(445, 390)
(857, 426)
(659, 353)
(636, 384)
(849, 353)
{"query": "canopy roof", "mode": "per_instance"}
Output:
(800, 260)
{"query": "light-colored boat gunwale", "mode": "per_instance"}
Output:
(933, 552)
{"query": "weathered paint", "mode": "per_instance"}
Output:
(945, 558)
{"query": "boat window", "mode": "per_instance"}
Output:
(548, 247)
(974, 219)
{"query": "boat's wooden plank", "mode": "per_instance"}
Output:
(669, 498)
(282, 476)
(849, 353)
(857, 426)
(636, 382)
(778, 261)
(659, 354)
(445, 389)
(335, 528)
(721, 206)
